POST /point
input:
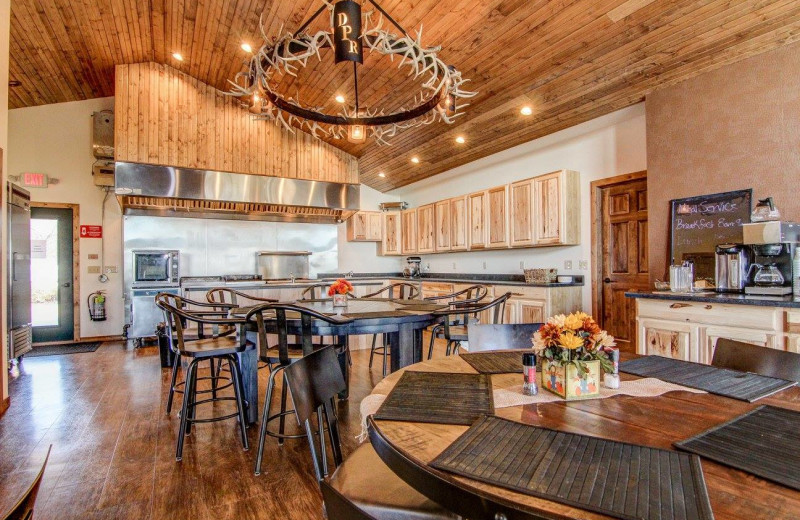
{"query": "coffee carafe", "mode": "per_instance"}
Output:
(774, 244)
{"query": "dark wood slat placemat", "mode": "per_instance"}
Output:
(763, 442)
(743, 386)
(435, 397)
(495, 362)
(609, 477)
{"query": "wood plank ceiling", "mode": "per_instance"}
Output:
(570, 60)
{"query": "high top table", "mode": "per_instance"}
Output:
(648, 421)
(401, 320)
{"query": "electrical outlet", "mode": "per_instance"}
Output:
(93, 256)
(522, 264)
(584, 265)
(484, 265)
(111, 269)
(93, 269)
(567, 264)
(454, 266)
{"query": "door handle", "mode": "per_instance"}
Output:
(66, 284)
(606, 280)
(14, 266)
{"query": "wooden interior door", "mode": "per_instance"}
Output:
(624, 257)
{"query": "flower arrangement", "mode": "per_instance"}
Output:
(340, 286)
(573, 340)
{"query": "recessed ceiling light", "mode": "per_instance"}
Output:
(460, 139)
(381, 175)
(177, 56)
(339, 98)
(246, 47)
(415, 159)
(526, 110)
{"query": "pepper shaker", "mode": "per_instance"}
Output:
(529, 371)
(612, 380)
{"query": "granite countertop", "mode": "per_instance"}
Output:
(713, 297)
(496, 279)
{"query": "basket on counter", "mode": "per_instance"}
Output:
(540, 275)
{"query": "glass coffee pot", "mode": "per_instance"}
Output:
(768, 275)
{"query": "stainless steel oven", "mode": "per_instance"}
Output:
(156, 268)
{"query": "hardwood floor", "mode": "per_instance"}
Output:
(113, 445)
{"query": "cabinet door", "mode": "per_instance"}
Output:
(476, 232)
(510, 313)
(548, 208)
(409, 233)
(425, 229)
(374, 225)
(531, 311)
(667, 339)
(391, 233)
(521, 214)
(357, 227)
(458, 224)
(497, 217)
(436, 289)
(709, 335)
(442, 225)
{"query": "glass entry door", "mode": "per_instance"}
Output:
(52, 302)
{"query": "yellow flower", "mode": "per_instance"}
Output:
(570, 341)
(573, 321)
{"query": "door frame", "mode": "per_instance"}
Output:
(595, 194)
(76, 257)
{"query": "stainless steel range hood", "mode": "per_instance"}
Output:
(149, 189)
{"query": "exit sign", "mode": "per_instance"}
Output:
(33, 180)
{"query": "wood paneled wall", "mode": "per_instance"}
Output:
(164, 116)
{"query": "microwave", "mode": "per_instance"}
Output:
(156, 268)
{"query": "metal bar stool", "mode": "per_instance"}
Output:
(404, 291)
(286, 318)
(473, 294)
(219, 348)
(226, 295)
(456, 332)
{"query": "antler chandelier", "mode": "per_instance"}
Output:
(439, 98)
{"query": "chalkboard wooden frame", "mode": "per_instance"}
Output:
(743, 212)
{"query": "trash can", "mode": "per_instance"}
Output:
(166, 353)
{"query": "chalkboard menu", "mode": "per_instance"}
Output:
(698, 224)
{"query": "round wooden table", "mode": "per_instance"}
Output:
(652, 421)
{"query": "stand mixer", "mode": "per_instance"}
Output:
(412, 270)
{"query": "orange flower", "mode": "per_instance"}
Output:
(340, 286)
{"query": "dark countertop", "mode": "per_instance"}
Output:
(712, 297)
(497, 279)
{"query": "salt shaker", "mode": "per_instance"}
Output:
(612, 380)
(529, 371)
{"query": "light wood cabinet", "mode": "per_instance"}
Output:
(408, 231)
(436, 289)
(425, 229)
(476, 219)
(364, 226)
(497, 217)
(556, 208)
(458, 224)
(391, 230)
(521, 221)
(441, 221)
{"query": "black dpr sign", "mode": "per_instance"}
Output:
(347, 31)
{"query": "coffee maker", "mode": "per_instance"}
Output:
(732, 267)
(773, 244)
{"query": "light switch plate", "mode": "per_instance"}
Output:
(567, 264)
(93, 256)
(584, 265)
(93, 269)
(111, 269)
(522, 264)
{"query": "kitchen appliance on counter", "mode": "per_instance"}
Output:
(19, 272)
(156, 268)
(732, 267)
(774, 244)
(412, 270)
(289, 265)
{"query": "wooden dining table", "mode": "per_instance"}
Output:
(401, 320)
(652, 421)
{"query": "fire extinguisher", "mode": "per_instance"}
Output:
(97, 306)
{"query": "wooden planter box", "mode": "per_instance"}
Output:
(565, 382)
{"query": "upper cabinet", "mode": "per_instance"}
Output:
(392, 233)
(458, 223)
(476, 220)
(521, 213)
(425, 229)
(409, 231)
(497, 217)
(364, 226)
(441, 221)
(556, 218)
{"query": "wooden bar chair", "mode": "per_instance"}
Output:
(286, 318)
(362, 487)
(219, 348)
(23, 509)
(764, 361)
(402, 291)
(467, 314)
(500, 336)
(471, 295)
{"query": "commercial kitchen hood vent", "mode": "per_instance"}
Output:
(147, 189)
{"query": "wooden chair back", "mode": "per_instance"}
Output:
(400, 291)
(314, 382)
(23, 510)
(472, 294)
(498, 336)
(226, 295)
(765, 361)
(470, 311)
(177, 318)
(440, 487)
(339, 507)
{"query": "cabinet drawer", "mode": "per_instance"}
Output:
(747, 316)
(519, 291)
(440, 287)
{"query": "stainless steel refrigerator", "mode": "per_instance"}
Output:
(19, 271)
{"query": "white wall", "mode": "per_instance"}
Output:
(610, 145)
(56, 140)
